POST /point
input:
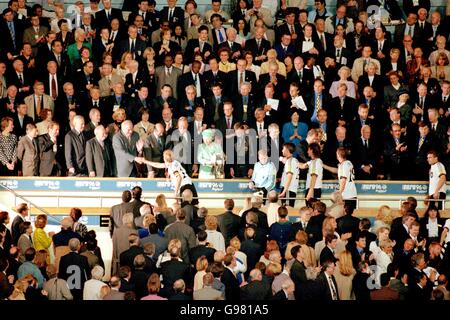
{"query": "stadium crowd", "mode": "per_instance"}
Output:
(181, 252)
(168, 93)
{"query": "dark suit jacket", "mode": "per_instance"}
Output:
(102, 20)
(186, 80)
(232, 291)
(7, 44)
(210, 109)
(256, 290)
(348, 223)
(127, 257)
(15, 229)
(298, 275)
(177, 17)
(100, 160)
(326, 254)
(377, 84)
(221, 77)
(66, 264)
(364, 156)
(233, 82)
(48, 164)
(75, 152)
(191, 45)
(253, 250)
(19, 130)
(131, 88)
(236, 47)
(347, 113)
(280, 87)
(306, 82)
(252, 46)
(229, 224)
(173, 270)
(201, 250)
(325, 291)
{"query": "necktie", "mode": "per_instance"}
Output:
(201, 46)
(241, 79)
(108, 14)
(332, 289)
(422, 139)
(112, 36)
(195, 79)
(409, 30)
(220, 36)
(380, 46)
(160, 144)
(322, 39)
(300, 75)
(95, 104)
(338, 55)
(318, 103)
(421, 102)
(422, 25)
(366, 144)
(58, 59)
(228, 123)
(13, 33)
(20, 79)
(168, 72)
(364, 65)
(53, 88)
(259, 43)
(292, 29)
(39, 105)
(31, 240)
(445, 99)
(397, 141)
(170, 14)
(132, 49)
(433, 126)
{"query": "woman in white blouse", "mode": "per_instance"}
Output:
(344, 74)
(215, 238)
(250, 66)
(59, 12)
(385, 255)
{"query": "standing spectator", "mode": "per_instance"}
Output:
(56, 288)
(183, 232)
(25, 241)
(28, 151)
(41, 240)
(92, 287)
(120, 238)
(344, 274)
(75, 148)
(22, 213)
(8, 148)
(215, 238)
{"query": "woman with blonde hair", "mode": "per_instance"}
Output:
(385, 255)
(73, 50)
(336, 210)
(215, 238)
(329, 226)
(272, 58)
(59, 14)
(344, 74)
(119, 116)
(165, 256)
(200, 265)
(382, 235)
(236, 244)
(383, 218)
(8, 148)
(309, 257)
(122, 68)
(41, 240)
(344, 274)
(441, 70)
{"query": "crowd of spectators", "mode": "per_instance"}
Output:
(182, 252)
(93, 95)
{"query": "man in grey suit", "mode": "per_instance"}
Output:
(100, 158)
(154, 147)
(35, 34)
(208, 292)
(127, 145)
(167, 74)
(181, 231)
(114, 294)
(229, 223)
(75, 148)
(48, 149)
(28, 152)
(118, 211)
(108, 80)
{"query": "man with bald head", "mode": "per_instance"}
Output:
(100, 158)
(154, 147)
(365, 155)
(256, 289)
(75, 148)
(127, 146)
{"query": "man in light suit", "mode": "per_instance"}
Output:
(75, 148)
(38, 101)
(108, 80)
(258, 12)
(119, 210)
(361, 63)
(35, 34)
(114, 294)
(167, 74)
(133, 43)
(180, 230)
(339, 18)
(208, 292)
(48, 150)
(28, 152)
(100, 158)
(127, 145)
(154, 148)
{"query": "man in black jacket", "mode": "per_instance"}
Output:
(228, 278)
(228, 222)
(75, 148)
(75, 267)
(127, 257)
(256, 289)
(202, 249)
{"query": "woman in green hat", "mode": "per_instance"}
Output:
(207, 155)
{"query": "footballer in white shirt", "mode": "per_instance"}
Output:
(437, 187)
(315, 172)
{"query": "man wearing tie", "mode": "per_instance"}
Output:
(35, 34)
(12, 34)
(22, 214)
(172, 13)
(75, 148)
(28, 151)
(133, 44)
(108, 14)
(38, 101)
(218, 32)
(365, 156)
(396, 162)
(100, 157)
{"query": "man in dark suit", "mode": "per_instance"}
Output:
(359, 250)
(75, 149)
(298, 272)
(214, 76)
(414, 6)
(171, 13)
(285, 47)
(381, 45)
(258, 46)
(396, 155)
(304, 77)
(133, 44)
(328, 253)
(154, 147)
(231, 44)
(100, 159)
(202, 249)
(365, 155)
(134, 81)
(228, 222)
(22, 213)
(51, 152)
(66, 268)
(58, 55)
(218, 32)
(278, 81)
(164, 100)
(251, 248)
(102, 43)
(53, 82)
(371, 79)
(240, 75)
(214, 104)
(21, 119)
(135, 104)
(104, 17)
(418, 145)
(342, 109)
(411, 28)
(327, 283)
(228, 278)
(12, 31)
(348, 223)
(289, 27)
(256, 288)
(86, 79)
(127, 146)
(192, 78)
(302, 225)
(244, 104)
(127, 257)
(20, 78)
(227, 121)
(342, 55)
(199, 45)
